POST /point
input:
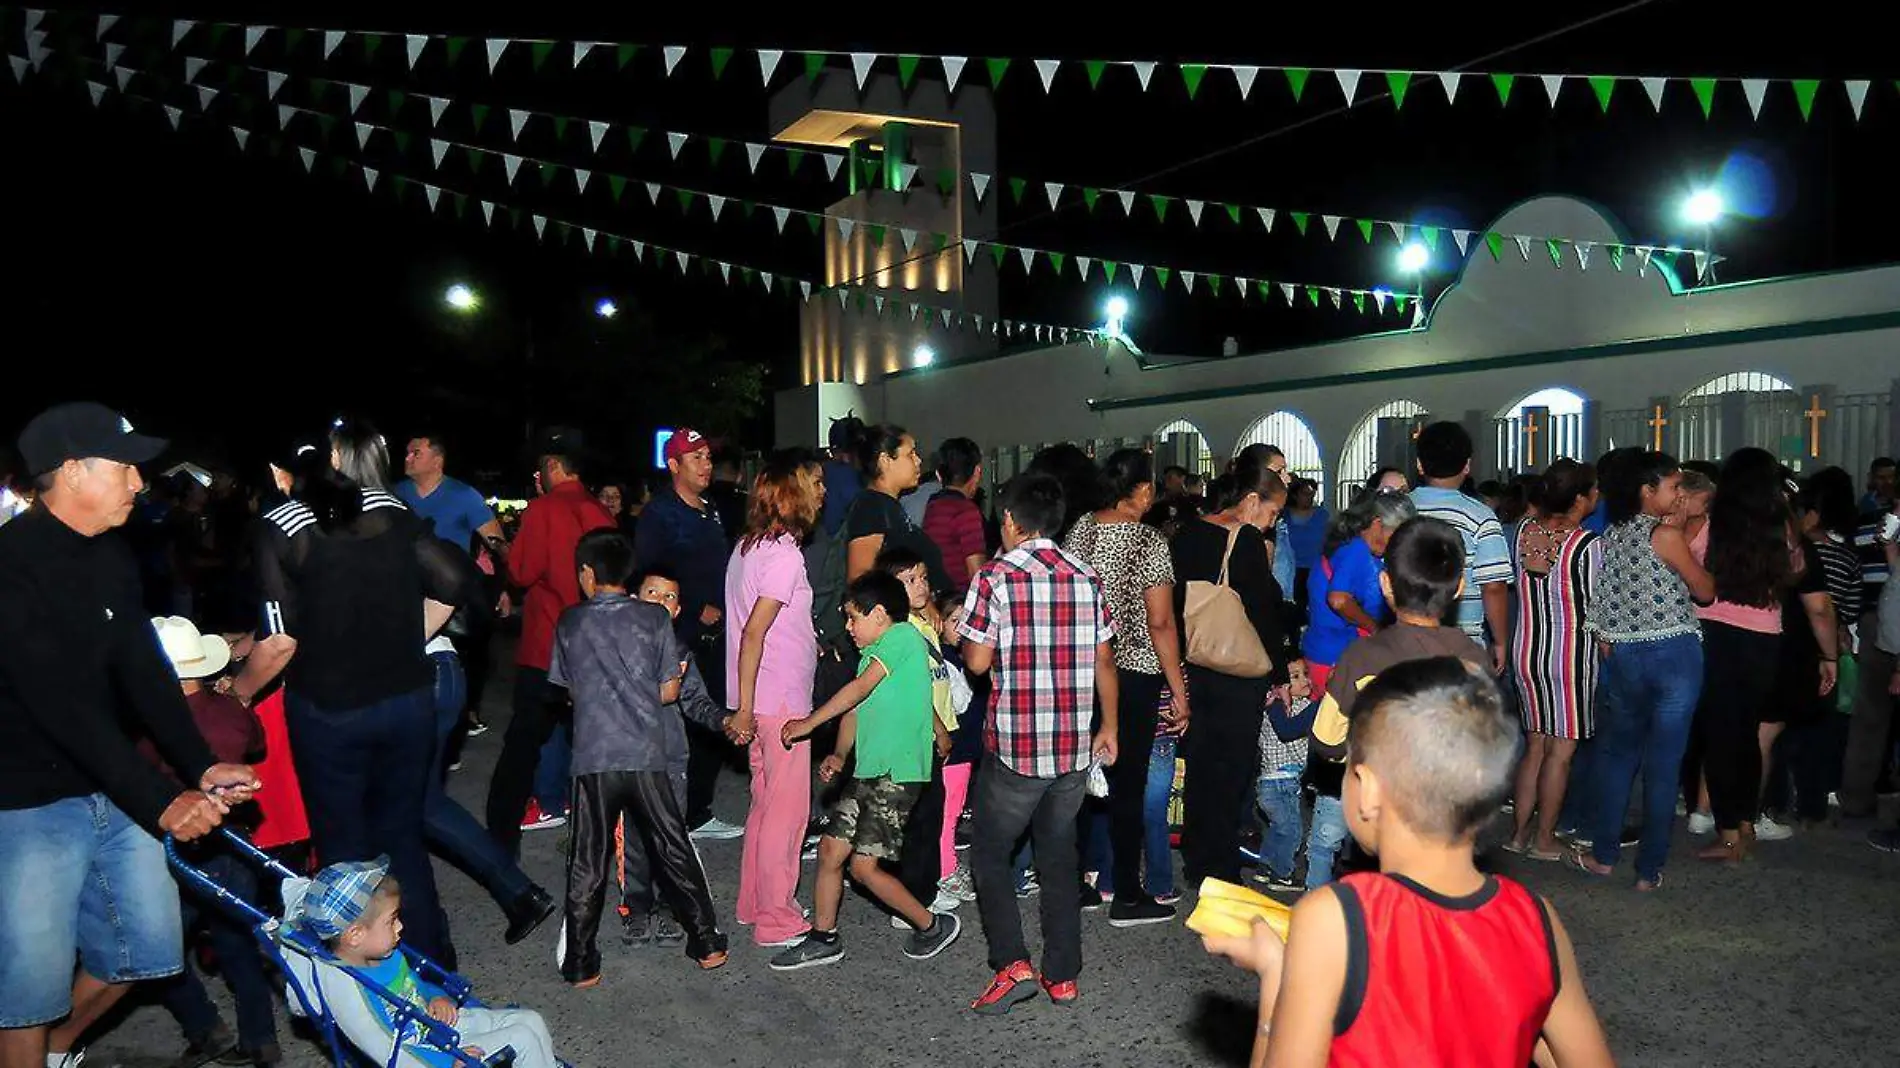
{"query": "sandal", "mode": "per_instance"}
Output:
(712, 960)
(1580, 863)
(1649, 886)
(1517, 847)
(1544, 856)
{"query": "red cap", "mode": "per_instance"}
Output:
(685, 442)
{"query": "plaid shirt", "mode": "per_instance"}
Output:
(1044, 613)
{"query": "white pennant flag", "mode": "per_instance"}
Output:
(1348, 83)
(673, 54)
(358, 93)
(753, 153)
(438, 106)
(908, 237)
(913, 311)
(653, 193)
(979, 323)
(595, 132)
(511, 164)
(488, 213)
(953, 69)
(1461, 238)
(273, 81)
(1755, 89)
(309, 159)
(1654, 88)
(1286, 292)
(1243, 284)
(861, 66)
(1398, 231)
(517, 121)
(1583, 254)
(438, 149)
(1194, 210)
(842, 297)
(415, 43)
(768, 62)
(779, 215)
(173, 114)
(1553, 84)
(1135, 271)
(877, 303)
(581, 48)
(105, 23)
(1047, 68)
(1028, 256)
(1244, 76)
(846, 227)
(969, 250)
(979, 184)
(804, 290)
(717, 203)
(540, 226)
(98, 92)
(1127, 197)
(1054, 191)
(1418, 313)
(1378, 300)
(1266, 217)
(113, 52)
(1448, 79)
(766, 277)
(587, 238)
(193, 67)
(1857, 96)
(944, 314)
(1332, 226)
(1334, 294)
(1082, 265)
(1642, 260)
(1144, 70)
(33, 17)
(284, 113)
(363, 130)
(331, 38)
(181, 27)
(252, 35)
(1523, 247)
(1187, 279)
(639, 250)
(242, 136)
(581, 175)
(1701, 264)
(123, 75)
(369, 178)
(432, 193)
(496, 46)
(832, 163)
(906, 173)
(675, 142)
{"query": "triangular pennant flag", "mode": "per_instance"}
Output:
(1244, 76)
(877, 302)
(1755, 89)
(273, 81)
(1082, 265)
(653, 193)
(284, 111)
(1857, 96)
(1286, 291)
(242, 136)
(715, 148)
(1160, 204)
(1334, 295)
(1603, 85)
(1348, 83)
(908, 236)
(1701, 264)
(804, 290)
(1616, 257)
(1028, 256)
(596, 132)
(997, 68)
(907, 70)
(846, 227)
(540, 225)
(639, 250)
(1653, 88)
(432, 194)
(1135, 271)
(1804, 89)
(581, 48)
(1191, 75)
(675, 142)
(1312, 295)
(1187, 279)
(358, 94)
(496, 46)
(1194, 210)
(193, 66)
(370, 175)
(1296, 80)
(180, 27)
(252, 35)
(766, 277)
(623, 54)
(1502, 83)
(1397, 81)
(510, 164)
(717, 203)
(1555, 249)
(1233, 213)
(1398, 231)
(488, 213)
(113, 52)
(1461, 238)
(172, 114)
(944, 315)
(1583, 254)
(753, 153)
(720, 57)
(1365, 229)
(1704, 93)
(1266, 217)
(1553, 84)
(673, 54)
(969, 250)
(1524, 247)
(105, 23)
(1047, 68)
(1095, 67)
(861, 66)
(1448, 79)
(1056, 260)
(1378, 300)
(1331, 223)
(1127, 197)
(1145, 71)
(906, 174)
(1109, 267)
(309, 159)
(587, 237)
(363, 130)
(979, 184)
(832, 163)
(953, 69)
(768, 63)
(97, 91)
(517, 121)
(1359, 301)
(581, 175)
(438, 149)
(413, 44)
(1299, 220)
(842, 296)
(1495, 242)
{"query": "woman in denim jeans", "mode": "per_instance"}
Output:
(1646, 628)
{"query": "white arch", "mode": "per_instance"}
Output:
(1360, 457)
(1203, 462)
(1561, 434)
(1559, 400)
(1289, 433)
(1738, 382)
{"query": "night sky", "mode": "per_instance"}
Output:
(233, 302)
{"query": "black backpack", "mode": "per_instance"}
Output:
(826, 567)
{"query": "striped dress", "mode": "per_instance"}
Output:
(1553, 659)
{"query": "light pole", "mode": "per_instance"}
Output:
(1705, 208)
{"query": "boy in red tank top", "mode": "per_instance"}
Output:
(1427, 962)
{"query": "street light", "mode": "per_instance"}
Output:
(1705, 208)
(1413, 259)
(923, 356)
(606, 308)
(1116, 311)
(461, 298)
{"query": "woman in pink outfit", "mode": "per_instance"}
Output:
(772, 653)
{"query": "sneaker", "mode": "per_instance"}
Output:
(815, 949)
(1682, 807)
(1090, 898)
(1138, 913)
(1169, 898)
(1631, 836)
(958, 884)
(636, 929)
(1065, 993)
(536, 820)
(1701, 823)
(667, 930)
(1887, 841)
(457, 766)
(1029, 887)
(1768, 829)
(718, 830)
(1011, 987)
(1275, 884)
(218, 1043)
(267, 1054)
(476, 728)
(945, 902)
(934, 939)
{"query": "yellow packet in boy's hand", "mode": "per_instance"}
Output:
(1227, 910)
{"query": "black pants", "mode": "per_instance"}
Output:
(1738, 679)
(652, 811)
(918, 866)
(1007, 804)
(528, 730)
(636, 867)
(1223, 762)
(706, 750)
(1137, 716)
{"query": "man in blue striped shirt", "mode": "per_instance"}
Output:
(1444, 462)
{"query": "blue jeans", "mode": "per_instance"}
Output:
(451, 830)
(1323, 840)
(1651, 689)
(1280, 802)
(551, 778)
(79, 879)
(239, 958)
(1159, 875)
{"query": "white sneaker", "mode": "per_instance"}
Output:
(1767, 830)
(1701, 823)
(958, 884)
(718, 830)
(945, 902)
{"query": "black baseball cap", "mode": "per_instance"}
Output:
(83, 431)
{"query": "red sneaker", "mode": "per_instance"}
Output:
(1065, 993)
(536, 820)
(1011, 986)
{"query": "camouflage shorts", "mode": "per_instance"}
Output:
(871, 813)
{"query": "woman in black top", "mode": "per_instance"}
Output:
(1223, 748)
(887, 458)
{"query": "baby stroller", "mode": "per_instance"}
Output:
(331, 995)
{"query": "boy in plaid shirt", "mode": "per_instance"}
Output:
(1036, 618)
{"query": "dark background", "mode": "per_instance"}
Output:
(236, 303)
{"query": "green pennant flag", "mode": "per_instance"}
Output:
(326, 123)
(479, 113)
(452, 49)
(396, 98)
(997, 68)
(814, 65)
(1161, 276)
(858, 298)
(514, 217)
(685, 198)
(1191, 75)
(1704, 92)
(1430, 234)
(1109, 267)
(875, 234)
(1233, 213)
(539, 52)
(1095, 67)
(1213, 283)
(371, 42)
(1616, 257)
(1556, 250)
(946, 181)
(715, 148)
(1056, 260)
(1359, 301)
(293, 36)
(617, 184)
(475, 157)
(814, 222)
(319, 87)
(907, 70)
(624, 54)
(397, 186)
(560, 128)
(339, 166)
(461, 205)
(1398, 81)
(1296, 80)
(1264, 288)
(1090, 196)
(635, 135)
(720, 57)
(1312, 295)
(1160, 205)
(1503, 82)
(217, 32)
(747, 208)
(1365, 229)
(793, 157)
(548, 173)
(1300, 219)
(1804, 89)
(402, 141)
(1603, 85)
(1016, 188)
(1495, 242)
(997, 252)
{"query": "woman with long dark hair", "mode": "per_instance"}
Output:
(1813, 633)
(891, 467)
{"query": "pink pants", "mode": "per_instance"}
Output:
(774, 836)
(956, 789)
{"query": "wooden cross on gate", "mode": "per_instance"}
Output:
(1530, 429)
(1815, 414)
(1656, 424)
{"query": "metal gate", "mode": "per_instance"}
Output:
(1858, 429)
(1528, 441)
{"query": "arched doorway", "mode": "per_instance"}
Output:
(1737, 409)
(1292, 436)
(1542, 427)
(1382, 438)
(1181, 443)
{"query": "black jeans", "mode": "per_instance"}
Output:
(1137, 716)
(365, 775)
(1007, 804)
(654, 822)
(1223, 762)
(1738, 678)
(918, 866)
(239, 958)
(707, 750)
(528, 730)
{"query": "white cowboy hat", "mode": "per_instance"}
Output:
(193, 655)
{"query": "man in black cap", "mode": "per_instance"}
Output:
(78, 802)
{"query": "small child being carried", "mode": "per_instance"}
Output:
(1283, 739)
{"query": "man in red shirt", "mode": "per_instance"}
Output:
(952, 519)
(541, 561)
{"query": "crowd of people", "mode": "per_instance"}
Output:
(1063, 681)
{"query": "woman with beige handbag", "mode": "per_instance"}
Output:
(1228, 605)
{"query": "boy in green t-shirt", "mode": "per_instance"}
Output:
(890, 723)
